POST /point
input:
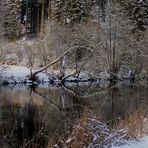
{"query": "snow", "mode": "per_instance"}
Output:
(42, 77)
(14, 74)
(11, 74)
(18, 74)
(104, 75)
(141, 143)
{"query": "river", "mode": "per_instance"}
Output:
(34, 116)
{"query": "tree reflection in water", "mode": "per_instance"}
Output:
(35, 116)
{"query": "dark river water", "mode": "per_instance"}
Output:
(30, 116)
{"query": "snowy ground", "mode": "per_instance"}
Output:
(18, 74)
(142, 143)
(11, 74)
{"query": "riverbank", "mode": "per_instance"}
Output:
(141, 143)
(11, 74)
(19, 74)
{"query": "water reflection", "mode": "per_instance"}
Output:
(26, 113)
(115, 101)
(32, 116)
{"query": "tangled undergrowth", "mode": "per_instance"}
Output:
(90, 131)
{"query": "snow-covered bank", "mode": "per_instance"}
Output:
(18, 74)
(141, 143)
(11, 74)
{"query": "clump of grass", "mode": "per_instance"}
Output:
(133, 122)
(89, 131)
(75, 137)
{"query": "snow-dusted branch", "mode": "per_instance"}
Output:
(33, 75)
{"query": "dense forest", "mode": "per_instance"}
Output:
(91, 35)
(73, 73)
(33, 13)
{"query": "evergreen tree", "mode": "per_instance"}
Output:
(10, 19)
(101, 4)
(137, 11)
(56, 9)
(76, 11)
(70, 11)
(32, 15)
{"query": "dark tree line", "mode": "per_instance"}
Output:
(137, 12)
(34, 12)
(28, 16)
(71, 11)
(10, 25)
(32, 15)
